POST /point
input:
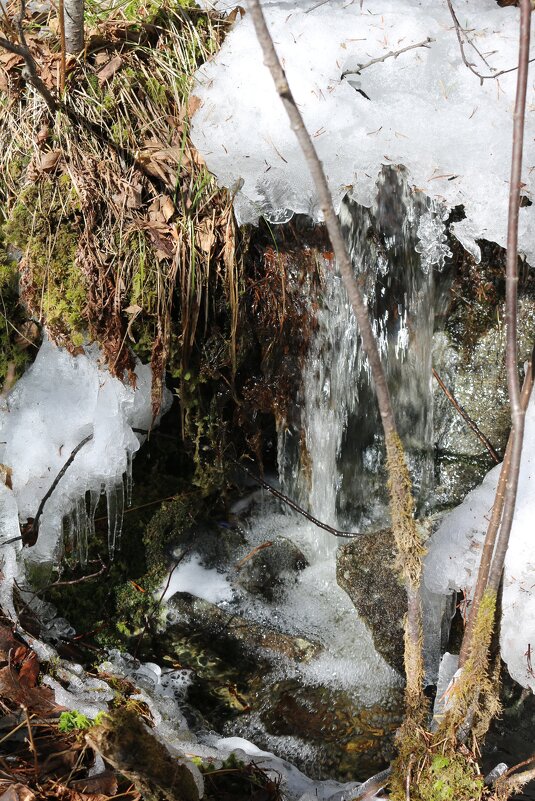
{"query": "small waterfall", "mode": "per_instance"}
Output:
(394, 245)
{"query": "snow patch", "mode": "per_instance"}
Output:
(424, 109)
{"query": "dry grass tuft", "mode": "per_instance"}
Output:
(153, 237)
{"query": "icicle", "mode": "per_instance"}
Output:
(129, 479)
(81, 530)
(111, 500)
(93, 497)
(119, 494)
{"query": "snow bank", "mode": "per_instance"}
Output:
(424, 109)
(58, 402)
(455, 550)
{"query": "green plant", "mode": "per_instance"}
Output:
(77, 721)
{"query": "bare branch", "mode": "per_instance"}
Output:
(391, 54)
(511, 298)
(293, 505)
(407, 539)
(492, 529)
(460, 31)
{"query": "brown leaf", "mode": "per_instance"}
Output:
(102, 57)
(234, 13)
(109, 70)
(37, 699)
(17, 792)
(29, 671)
(168, 207)
(205, 235)
(194, 104)
(10, 60)
(105, 782)
(6, 473)
(49, 161)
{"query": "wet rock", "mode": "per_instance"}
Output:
(196, 612)
(472, 365)
(353, 741)
(365, 570)
(269, 568)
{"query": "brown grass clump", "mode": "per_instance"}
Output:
(125, 237)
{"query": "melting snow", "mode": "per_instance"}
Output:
(424, 109)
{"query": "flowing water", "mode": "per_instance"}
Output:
(332, 460)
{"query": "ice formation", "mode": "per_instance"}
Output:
(59, 401)
(424, 109)
(455, 550)
(190, 576)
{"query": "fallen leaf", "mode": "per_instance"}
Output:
(194, 104)
(6, 473)
(49, 161)
(109, 70)
(168, 207)
(29, 671)
(17, 792)
(102, 57)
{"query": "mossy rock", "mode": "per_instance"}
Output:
(366, 571)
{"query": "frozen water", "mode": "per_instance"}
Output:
(59, 401)
(190, 576)
(424, 109)
(454, 554)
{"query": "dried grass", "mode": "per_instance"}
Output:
(157, 237)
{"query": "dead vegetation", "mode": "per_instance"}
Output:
(124, 236)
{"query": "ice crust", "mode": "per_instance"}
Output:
(190, 576)
(454, 554)
(426, 110)
(59, 401)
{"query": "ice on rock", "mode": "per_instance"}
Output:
(454, 554)
(59, 401)
(424, 109)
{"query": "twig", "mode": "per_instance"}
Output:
(30, 531)
(493, 527)
(31, 742)
(511, 299)
(160, 599)
(63, 46)
(466, 417)
(293, 505)
(459, 30)
(391, 54)
(250, 555)
(408, 541)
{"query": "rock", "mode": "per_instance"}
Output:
(365, 570)
(269, 568)
(353, 741)
(472, 365)
(127, 744)
(197, 612)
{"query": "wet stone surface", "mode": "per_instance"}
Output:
(366, 571)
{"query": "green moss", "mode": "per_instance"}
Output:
(450, 779)
(45, 225)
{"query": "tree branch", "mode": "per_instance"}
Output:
(408, 541)
(459, 31)
(511, 298)
(391, 54)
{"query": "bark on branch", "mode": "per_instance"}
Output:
(407, 539)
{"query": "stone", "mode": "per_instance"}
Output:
(366, 571)
(270, 568)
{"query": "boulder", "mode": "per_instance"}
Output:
(365, 570)
(267, 570)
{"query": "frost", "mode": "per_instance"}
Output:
(423, 109)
